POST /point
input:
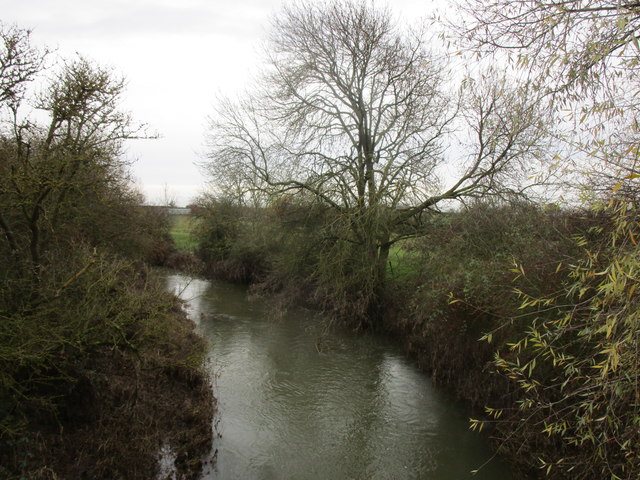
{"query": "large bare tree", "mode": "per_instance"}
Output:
(354, 111)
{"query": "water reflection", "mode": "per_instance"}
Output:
(353, 409)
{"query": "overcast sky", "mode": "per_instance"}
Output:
(178, 56)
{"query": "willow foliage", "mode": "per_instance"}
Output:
(577, 367)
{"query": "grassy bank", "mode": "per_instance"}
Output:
(182, 227)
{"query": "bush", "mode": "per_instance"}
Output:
(231, 240)
(461, 288)
(293, 250)
(97, 342)
(577, 366)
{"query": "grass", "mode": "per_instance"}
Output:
(401, 261)
(181, 228)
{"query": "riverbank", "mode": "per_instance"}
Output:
(450, 296)
(115, 388)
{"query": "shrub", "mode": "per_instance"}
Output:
(98, 341)
(577, 366)
(462, 288)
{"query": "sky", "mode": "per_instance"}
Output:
(178, 57)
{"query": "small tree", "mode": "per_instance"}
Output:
(19, 63)
(578, 364)
(53, 172)
(355, 113)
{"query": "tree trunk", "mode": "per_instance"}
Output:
(377, 303)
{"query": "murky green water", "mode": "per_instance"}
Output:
(295, 403)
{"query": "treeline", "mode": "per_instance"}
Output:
(98, 365)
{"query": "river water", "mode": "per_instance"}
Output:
(298, 402)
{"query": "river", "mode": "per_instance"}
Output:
(298, 402)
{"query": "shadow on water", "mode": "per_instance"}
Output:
(348, 406)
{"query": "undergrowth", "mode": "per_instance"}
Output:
(98, 368)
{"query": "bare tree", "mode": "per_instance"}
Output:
(19, 63)
(354, 112)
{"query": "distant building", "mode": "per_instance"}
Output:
(178, 211)
(170, 210)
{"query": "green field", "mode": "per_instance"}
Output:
(181, 228)
(401, 261)
(400, 264)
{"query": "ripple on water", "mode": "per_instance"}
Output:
(298, 402)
